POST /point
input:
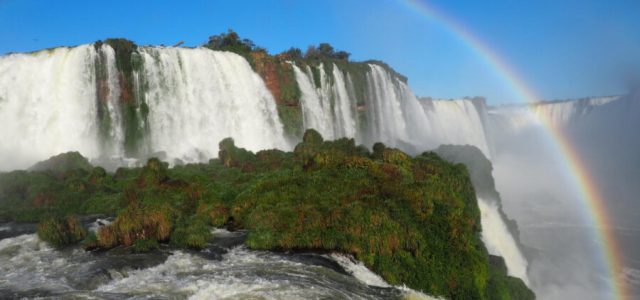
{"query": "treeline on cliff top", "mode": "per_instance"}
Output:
(412, 220)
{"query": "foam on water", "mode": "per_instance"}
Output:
(28, 262)
(359, 270)
(240, 274)
(499, 241)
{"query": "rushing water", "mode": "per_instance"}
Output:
(224, 270)
(198, 97)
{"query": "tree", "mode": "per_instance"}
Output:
(293, 53)
(230, 41)
(326, 50)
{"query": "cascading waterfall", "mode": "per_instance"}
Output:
(344, 108)
(197, 97)
(109, 96)
(47, 105)
(498, 240)
(181, 101)
(315, 102)
(384, 112)
(456, 122)
(562, 113)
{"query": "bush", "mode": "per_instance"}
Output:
(61, 232)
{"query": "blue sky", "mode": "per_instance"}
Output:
(563, 49)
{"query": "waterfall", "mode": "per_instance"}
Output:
(394, 115)
(385, 108)
(565, 112)
(183, 102)
(315, 102)
(499, 241)
(344, 107)
(109, 96)
(197, 97)
(47, 105)
(457, 122)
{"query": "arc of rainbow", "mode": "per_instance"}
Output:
(586, 185)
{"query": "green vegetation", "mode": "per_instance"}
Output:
(412, 220)
(61, 232)
(480, 171)
(503, 287)
(62, 163)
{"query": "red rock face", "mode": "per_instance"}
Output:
(266, 67)
(125, 89)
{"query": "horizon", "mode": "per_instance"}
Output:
(598, 56)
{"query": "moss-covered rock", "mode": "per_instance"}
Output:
(62, 163)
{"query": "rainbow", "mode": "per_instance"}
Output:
(586, 185)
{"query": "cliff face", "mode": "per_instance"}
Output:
(279, 78)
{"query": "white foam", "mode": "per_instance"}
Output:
(359, 270)
(241, 274)
(95, 226)
(498, 240)
(28, 262)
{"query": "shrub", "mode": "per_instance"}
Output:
(61, 231)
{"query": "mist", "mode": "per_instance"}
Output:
(538, 191)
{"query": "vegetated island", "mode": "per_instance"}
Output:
(412, 220)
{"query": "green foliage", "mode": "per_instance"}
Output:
(480, 171)
(504, 287)
(230, 41)
(61, 232)
(325, 51)
(63, 163)
(145, 245)
(192, 233)
(412, 220)
(292, 54)
(90, 242)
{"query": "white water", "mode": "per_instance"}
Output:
(315, 102)
(47, 105)
(344, 108)
(240, 274)
(562, 113)
(358, 270)
(499, 241)
(28, 262)
(457, 122)
(329, 108)
(198, 97)
(115, 138)
(385, 110)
